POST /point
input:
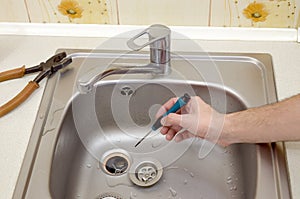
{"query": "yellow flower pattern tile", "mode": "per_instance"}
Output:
(225, 13)
(70, 8)
(256, 12)
(73, 11)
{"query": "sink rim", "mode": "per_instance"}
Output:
(36, 140)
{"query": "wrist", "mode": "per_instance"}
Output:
(229, 134)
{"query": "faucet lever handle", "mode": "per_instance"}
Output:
(132, 44)
(159, 42)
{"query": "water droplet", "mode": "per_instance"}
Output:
(229, 179)
(88, 165)
(173, 192)
(172, 167)
(233, 188)
(78, 196)
(185, 181)
(231, 164)
(185, 169)
(192, 174)
(164, 180)
(132, 195)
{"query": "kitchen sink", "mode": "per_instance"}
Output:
(82, 145)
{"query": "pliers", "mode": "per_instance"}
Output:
(46, 69)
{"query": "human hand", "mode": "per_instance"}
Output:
(195, 119)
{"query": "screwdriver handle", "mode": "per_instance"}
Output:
(182, 101)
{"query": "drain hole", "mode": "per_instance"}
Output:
(116, 165)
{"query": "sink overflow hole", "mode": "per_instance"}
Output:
(126, 91)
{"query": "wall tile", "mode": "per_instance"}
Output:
(280, 13)
(169, 12)
(13, 11)
(92, 11)
(230, 13)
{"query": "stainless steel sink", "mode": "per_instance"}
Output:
(82, 145)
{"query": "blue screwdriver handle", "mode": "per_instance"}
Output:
(182, 101)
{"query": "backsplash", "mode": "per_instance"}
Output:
(72, 11)
(225, 13)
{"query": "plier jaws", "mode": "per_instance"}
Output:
(57, 58)
(46, 69)
(52, 69)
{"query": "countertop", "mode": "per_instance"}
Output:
(30, 44)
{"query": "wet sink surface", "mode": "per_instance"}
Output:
(188, 169)
(87, 145)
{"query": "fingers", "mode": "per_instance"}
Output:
(170, 132)
(172, 119)
(171, 125)
(166, 106)
(173, 122)
(184, 135)
(164, 130)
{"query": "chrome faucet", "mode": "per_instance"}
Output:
(159, 42)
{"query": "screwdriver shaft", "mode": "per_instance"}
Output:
(143, 138)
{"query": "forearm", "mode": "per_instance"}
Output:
(271, 123)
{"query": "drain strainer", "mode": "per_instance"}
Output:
(110, 195)
(146, 173)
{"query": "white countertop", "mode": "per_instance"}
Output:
(30, 44)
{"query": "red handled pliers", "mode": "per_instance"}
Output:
(46, 69)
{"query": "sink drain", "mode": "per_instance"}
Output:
(110, 195)
(115, 163)
(146, 173)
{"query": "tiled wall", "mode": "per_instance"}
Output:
(233, 13)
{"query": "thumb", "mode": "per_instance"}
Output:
(171, 119)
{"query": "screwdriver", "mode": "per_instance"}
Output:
(182, 101)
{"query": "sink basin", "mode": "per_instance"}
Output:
(82, 145)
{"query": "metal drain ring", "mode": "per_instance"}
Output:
(146, 173)
(110, 195)
(115, 162)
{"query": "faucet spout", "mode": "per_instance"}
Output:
(87, 84)
(159, 42)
